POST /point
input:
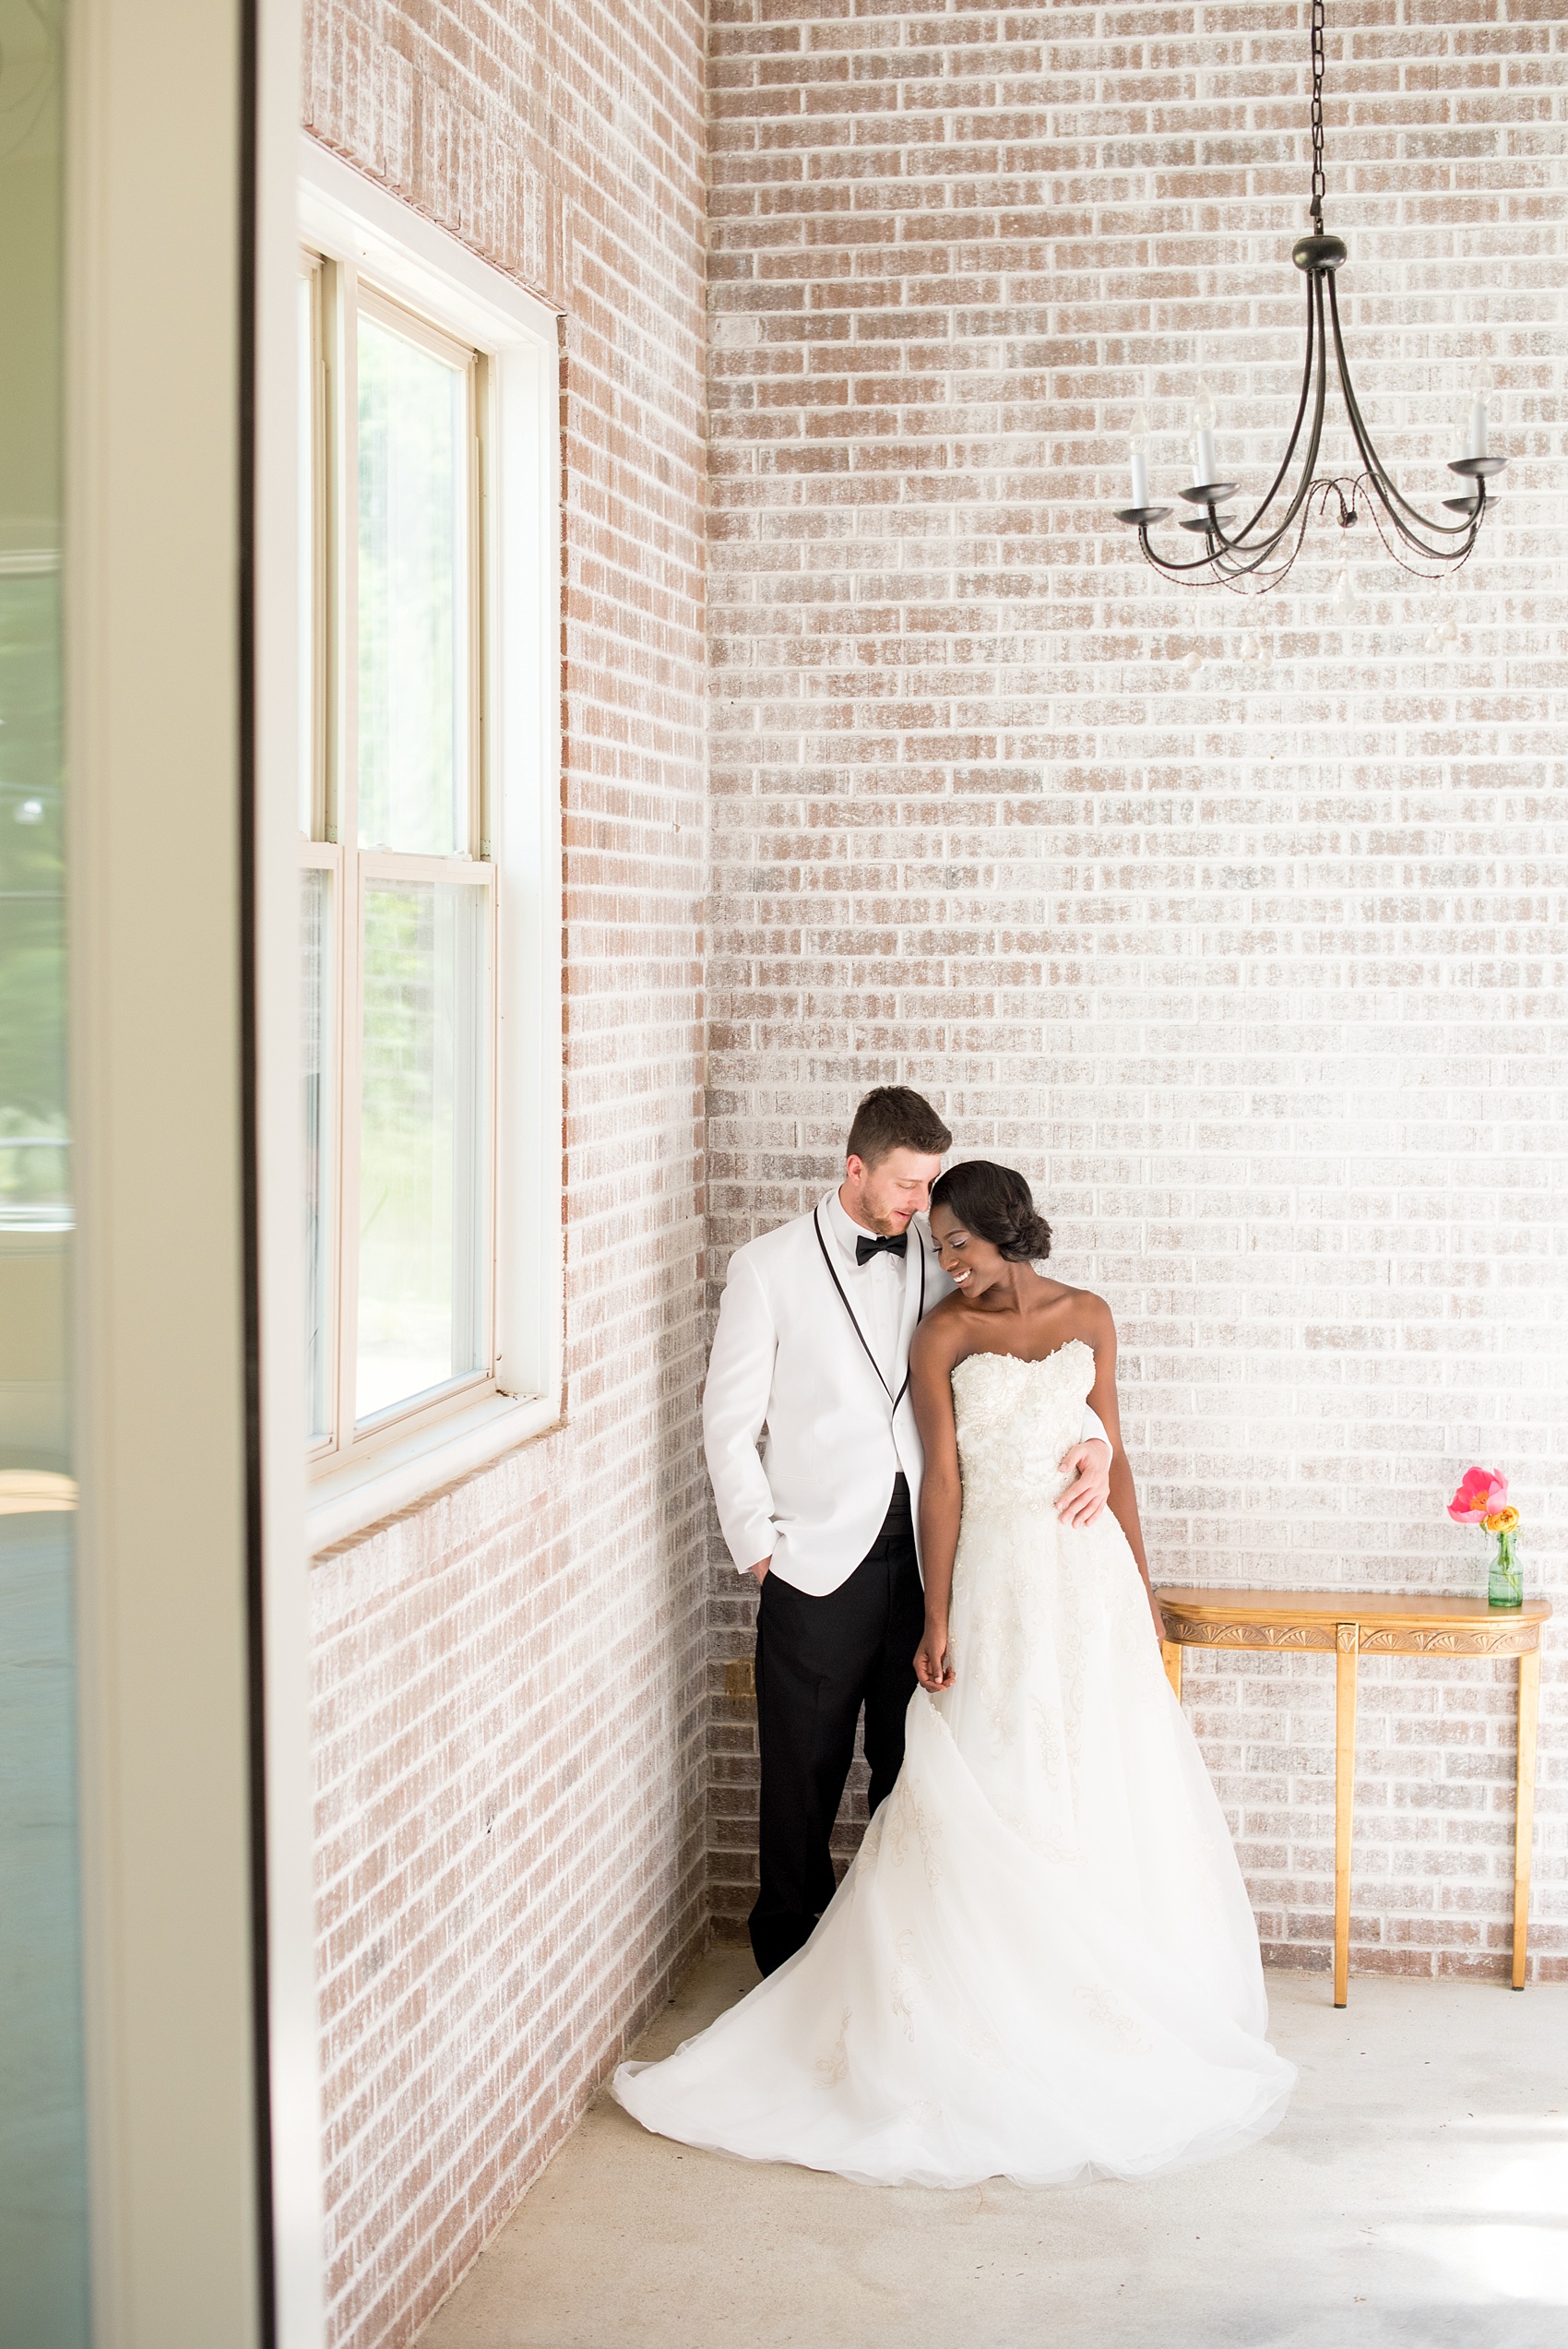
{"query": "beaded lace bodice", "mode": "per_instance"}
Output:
(1014, 1420)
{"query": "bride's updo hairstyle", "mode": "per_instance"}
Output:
(995, 1204)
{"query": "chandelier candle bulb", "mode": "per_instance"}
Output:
(1204, 421)
(1475, 425)
(1137, 455)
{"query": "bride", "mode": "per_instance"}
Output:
(1041, 1965)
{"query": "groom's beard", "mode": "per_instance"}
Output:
(888, 1216)
(891, 1222)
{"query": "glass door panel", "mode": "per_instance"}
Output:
(43, 2267)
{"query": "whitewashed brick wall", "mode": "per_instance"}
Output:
(511, 1717)
(1258, 973)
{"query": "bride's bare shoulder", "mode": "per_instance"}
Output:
(1085, 1315)
(940, 1337)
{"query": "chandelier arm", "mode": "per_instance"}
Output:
(1317, 353)
(1318, 491)
(1382, 481)
(1208, 562)
(1163, 563)
(1225, 573)
(1317, 346)
(1318, 494)
(1231, 576)
(1456, 559)
(1389, 497)
(1314, 353)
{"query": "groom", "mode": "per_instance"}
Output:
(815, 1463)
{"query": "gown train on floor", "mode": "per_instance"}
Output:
(1042, 1963)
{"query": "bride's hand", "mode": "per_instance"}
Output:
(931, 1668)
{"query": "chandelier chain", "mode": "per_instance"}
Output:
(1318, 184)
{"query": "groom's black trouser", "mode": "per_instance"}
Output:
(817, 1661)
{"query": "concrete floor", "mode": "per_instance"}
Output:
(1416, 2196)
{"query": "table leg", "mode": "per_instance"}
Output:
(1346, 1647)
(1525, 1809)
(1171, 1650)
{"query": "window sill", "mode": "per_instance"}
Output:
(398, 1474)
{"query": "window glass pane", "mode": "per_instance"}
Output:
(424, 1121)
(412, 568)
(43, 2267)
(308, 508)
(317, 989)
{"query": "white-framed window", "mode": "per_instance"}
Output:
(429, 851)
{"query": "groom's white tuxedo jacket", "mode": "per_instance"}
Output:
(806, 1412)
(804, 1428)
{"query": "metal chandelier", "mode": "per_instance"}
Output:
(1257, 556)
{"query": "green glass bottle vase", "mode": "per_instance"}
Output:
(1505, 1586)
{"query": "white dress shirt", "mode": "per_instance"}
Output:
(875, 1289)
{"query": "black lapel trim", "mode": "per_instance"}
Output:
(894, 1399)
(919, 1317)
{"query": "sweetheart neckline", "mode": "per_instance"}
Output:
(1024, 1362)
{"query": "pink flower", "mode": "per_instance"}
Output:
(1482, 1493)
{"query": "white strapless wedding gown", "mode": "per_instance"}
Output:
(1042, 1964)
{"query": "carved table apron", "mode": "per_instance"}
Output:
(1351, 1624)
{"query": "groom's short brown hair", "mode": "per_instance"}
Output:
(894, 1118)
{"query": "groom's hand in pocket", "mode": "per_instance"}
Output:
(1089, 1465)
(760, 1570)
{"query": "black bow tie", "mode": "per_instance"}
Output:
(896, 1243)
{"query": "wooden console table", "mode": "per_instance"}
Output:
(1351, 1624)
